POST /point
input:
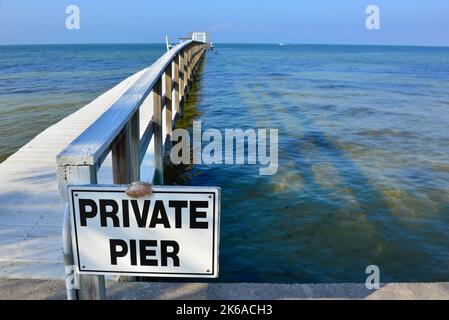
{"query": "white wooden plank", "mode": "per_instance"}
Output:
(38, 249)
(21, 218)
(32, 270)
(29, 231)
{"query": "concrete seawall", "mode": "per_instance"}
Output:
(55, 290)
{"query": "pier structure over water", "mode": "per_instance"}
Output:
(120, 137)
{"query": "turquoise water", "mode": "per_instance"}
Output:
(364, 162)
(364, 150)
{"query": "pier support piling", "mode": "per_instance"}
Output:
(158, 146)
(90, 287)
(168, 125)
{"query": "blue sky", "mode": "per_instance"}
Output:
(413, 22)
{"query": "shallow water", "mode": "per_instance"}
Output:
(364, 162)
(363, 149)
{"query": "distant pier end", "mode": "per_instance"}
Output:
(202, 37)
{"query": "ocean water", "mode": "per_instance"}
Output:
(40, 85)
(363, 149)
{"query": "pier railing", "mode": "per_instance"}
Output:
(117, 131)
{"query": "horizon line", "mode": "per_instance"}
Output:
(238, 43)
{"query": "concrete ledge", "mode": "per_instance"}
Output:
(55, 290)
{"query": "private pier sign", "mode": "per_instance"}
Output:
(174, 232)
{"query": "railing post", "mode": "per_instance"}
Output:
(121, 162)
(186, 71)
(196, 55)
(158, 146)
(168, 126)
(193, 57)
(191, 62)
(189, 67)
(181, 82)
(91, 287)
(176, 84)
(126, 161)
(196, 59)
(134, 147)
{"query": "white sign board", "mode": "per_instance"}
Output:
(172, 233)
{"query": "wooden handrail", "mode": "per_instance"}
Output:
(117, 129)
(92, 146)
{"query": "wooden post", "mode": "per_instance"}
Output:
(186, 72)
(91, 287)
(168, 126)
(126, 162)
(192, 62)
(196, 59)
(181, 82)
(176, 84)
(158, 146)
(134, 147)
(189, 67)
(194, 56)
(121, 161)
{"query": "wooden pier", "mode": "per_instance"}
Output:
(120, 137)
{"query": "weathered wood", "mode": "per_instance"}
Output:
(41, 270)
(157, 136)
(134, 147)
(168, 125)
(199, 56)
(182, 75)
(189, 67)
(186, 71)
(91, 287)
(11, 249)
(176, 86)
(121, 160)
(126, 161)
